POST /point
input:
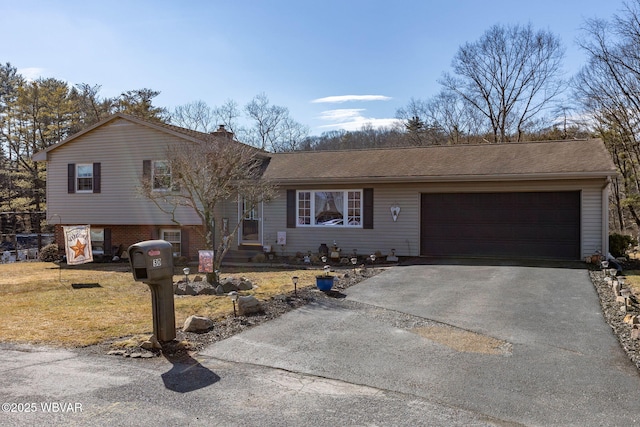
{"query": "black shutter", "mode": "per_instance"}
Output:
(367, 208)
(71, 178)
(146, 170)
(107, 242)
(291, 209)
(184, 243)
(96, 177)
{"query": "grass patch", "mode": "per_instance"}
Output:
(38, 303)
(633, 281)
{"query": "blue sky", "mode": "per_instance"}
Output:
(333, 63)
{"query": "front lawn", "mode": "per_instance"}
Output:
(39, 304)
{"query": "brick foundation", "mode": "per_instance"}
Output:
(123, 236)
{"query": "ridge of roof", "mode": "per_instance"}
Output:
(441, 146)
(565, 158)
(161, 126)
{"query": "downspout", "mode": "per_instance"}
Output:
(605, 217)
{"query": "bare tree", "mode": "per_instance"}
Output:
(273, 128)
(443, 119)
(228, 115)
(196, 115)
(204, 175)
(609, 88)
(510, 75)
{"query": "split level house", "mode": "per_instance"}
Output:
(541, 200)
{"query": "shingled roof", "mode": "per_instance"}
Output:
(178, 131)
(519, 161)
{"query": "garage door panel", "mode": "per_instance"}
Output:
(533, 225)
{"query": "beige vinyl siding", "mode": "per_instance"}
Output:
(404, 234)
(120, 146)
(592, 221)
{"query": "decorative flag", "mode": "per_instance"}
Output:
(205, 264)
(282, 237)
(77, 244)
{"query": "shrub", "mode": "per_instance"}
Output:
(49, 253)
(619, 243)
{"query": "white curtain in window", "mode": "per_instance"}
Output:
(321, 202)
(338, 198)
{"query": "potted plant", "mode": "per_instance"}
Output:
(324, 282)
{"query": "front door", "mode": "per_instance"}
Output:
(251, 232)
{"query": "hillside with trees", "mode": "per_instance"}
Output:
(507, 86)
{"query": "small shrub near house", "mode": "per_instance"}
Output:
(620, 243)
(49, 253)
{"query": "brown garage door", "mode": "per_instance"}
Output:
(521, 225)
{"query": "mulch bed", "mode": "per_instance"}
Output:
(188, 342)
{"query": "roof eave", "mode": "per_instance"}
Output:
(456, 178)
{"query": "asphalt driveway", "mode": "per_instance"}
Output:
(560, 363)
(543, 355)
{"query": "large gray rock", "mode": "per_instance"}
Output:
(197, 324)
(236, 284)
(228, 284)
(203, 288)
(193, 288)
(248, 305)
(183, 288)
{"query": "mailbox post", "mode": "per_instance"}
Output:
(152, 263)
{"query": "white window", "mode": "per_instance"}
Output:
(97, 241)
(161, 175)
(84, 178)
(341, 208)
(174, 237)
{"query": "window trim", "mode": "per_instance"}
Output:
(169, 187)
(179, 241)
(78, 177)
(345, 213)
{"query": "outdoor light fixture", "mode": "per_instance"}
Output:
(354, 261)
(234, 297)
(186, 274)
(324, 259)
(395, 211)
(372, 257)
(294, 279)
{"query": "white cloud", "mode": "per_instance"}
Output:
(342, 114)
(352, 119)
(31, 73)
(350, 98)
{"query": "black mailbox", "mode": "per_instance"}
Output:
(152, 263)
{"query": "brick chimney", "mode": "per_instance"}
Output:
(222, 132)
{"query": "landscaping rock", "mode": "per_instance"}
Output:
(151, 344)
(203, 288)
(245, 285)
(248, 305)
(228, 284)
(197, 324)
(183, 288)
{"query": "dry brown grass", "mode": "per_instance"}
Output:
(633, 281)
(38, 303)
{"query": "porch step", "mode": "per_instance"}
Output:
(240, 256)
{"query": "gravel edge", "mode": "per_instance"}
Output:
(614, 315)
